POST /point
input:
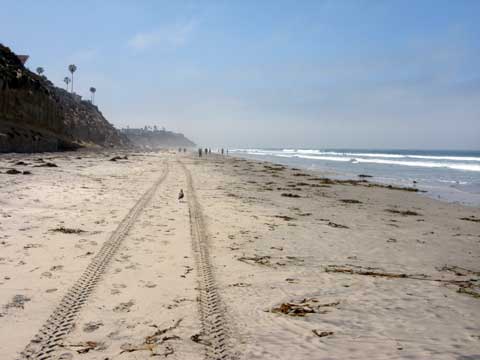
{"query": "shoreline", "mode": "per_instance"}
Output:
(324, 267)
(448, 194)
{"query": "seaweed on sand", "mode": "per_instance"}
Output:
(47, 164)
(86, 346)
(290, 195)
(351, 201)
(322, 333)
(471, 218)
(403, 212)
(362, 182)
(470, 286)
(155, 340)
(335, 225)
(470, 289)
(368, 272)
(284, 217)
(459, 271)
(115, 158)
(303, 307)
(68, 230)
(261, 260)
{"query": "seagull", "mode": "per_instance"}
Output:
(180, 195)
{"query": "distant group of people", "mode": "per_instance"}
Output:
(204, 151)
(208, 151)
(182, 150)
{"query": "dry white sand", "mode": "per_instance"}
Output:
(349, 280)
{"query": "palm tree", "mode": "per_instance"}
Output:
(93, 91)
(40, 70)
(67, 81)
(72, 68)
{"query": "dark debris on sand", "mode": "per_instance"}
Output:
(351, 201)
(470, 286)
(115, 158)
(18, 301)
(15, 172)
(335, 225)
(47, 164)
(155, 342)
(303, 307)
(290, 195)
(322, 333)
(261, 260)
(403, 212)
(65, 230)
(471, 218)
(284, 217)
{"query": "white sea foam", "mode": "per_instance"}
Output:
(466, 163)
(455, 158)
(384, 155)
(429, 164)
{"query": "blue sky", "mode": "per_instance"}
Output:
(333, 73)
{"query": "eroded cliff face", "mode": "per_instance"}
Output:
(37, 116)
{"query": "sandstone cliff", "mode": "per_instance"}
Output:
(37, 116)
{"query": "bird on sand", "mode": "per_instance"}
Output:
(180, 195)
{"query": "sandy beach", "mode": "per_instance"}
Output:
(99, 260)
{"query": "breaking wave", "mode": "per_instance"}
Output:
(455, 162)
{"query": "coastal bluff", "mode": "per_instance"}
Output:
(153, 138)
(36, 116)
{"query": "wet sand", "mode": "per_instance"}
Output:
(300, 267)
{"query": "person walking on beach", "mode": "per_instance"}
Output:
(200, 152)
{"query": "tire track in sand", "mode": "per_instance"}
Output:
(215, 331)
(63, 318)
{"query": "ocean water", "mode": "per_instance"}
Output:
(452, 176)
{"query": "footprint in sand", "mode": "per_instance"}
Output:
(116, 287)
(92, 326)
(18, 301)
(65, 356)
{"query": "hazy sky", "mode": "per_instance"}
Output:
(359, 74)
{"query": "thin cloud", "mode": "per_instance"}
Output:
(83, 56)
(174, 35)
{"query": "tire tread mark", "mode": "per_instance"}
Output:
(61, 321)
(214, 325)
